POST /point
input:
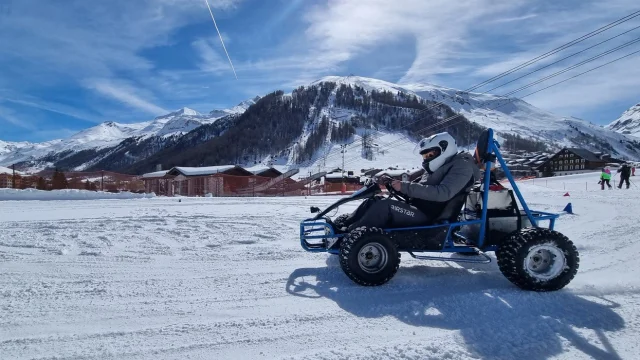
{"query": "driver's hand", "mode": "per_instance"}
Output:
(396, 185)
(383, 180)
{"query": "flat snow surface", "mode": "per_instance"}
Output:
(225, 278)
(66, 194)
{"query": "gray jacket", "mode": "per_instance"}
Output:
(446, 182)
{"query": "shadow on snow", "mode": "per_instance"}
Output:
(496, 319)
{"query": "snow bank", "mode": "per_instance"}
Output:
(67, 194)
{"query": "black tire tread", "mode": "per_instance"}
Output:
(350, 241)
(339, 221)
(510, 259)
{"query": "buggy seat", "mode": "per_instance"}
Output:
(452, 210)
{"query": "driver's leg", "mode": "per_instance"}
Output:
(405, 215)
(388, 212)
(358, 213)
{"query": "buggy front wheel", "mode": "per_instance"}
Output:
(369, 257)
(538, 259)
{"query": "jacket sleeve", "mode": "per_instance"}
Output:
(453, 182)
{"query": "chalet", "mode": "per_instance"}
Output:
(370, 172)
(333, 181)
(225, 180)
(199, 181)
(264, 171)
(402, 174)
(158, 182)
(570, 161)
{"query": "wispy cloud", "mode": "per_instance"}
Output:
(95, 39)
(440, 28)
(127, 95)
(55, 108)
(515, 19)
(10, 116)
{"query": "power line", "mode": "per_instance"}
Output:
(521, 66)
(577, 65)
(564, 58)
(399, 142)
(222, 41)
(558, 49)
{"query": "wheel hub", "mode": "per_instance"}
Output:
(545, 262)
(372, 257)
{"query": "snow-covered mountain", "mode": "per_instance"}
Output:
(238, 109)
(504, 115)
(110, 134)
(509, 115)
(343, 100)
(628, 123)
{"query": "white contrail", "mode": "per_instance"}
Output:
(225, 49)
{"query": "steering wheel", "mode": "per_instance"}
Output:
(393, 192)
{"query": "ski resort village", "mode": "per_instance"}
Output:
(247, 179)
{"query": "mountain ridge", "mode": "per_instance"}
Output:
(628, 123)
(358, 105)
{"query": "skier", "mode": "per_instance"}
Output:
(625, 173)
(447, 174)
(605, 177)
(633, 170)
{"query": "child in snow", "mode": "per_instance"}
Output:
(605, 177)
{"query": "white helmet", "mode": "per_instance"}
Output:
(444, 144)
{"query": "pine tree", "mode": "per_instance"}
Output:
(59, 180)
(41, 184)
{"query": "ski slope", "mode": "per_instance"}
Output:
(225, 278)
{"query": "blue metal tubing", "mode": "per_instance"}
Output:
(494, 146)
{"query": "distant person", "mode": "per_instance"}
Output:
(633, 170)
(605, 177)
(625, 173)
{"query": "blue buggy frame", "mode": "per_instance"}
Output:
(315, 232)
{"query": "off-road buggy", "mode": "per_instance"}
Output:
(473, 223)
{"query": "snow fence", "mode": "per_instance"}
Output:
(67, 194)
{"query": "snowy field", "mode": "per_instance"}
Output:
(216, 278)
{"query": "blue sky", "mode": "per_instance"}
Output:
(66, 65)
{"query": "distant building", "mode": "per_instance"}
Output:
(199, 181)
(402, 174)
(333, 181)
(570, 161)
(7, 179)
(224, 180)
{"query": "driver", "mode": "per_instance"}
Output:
(447, 174)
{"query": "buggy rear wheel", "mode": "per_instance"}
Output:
(369, 257)
(538, 259)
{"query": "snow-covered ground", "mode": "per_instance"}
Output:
(66, 194)
(225, 278)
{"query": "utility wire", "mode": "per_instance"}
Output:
(532, 61)
(399, 142)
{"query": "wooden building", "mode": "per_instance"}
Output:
(215, 180)
(570, 161)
